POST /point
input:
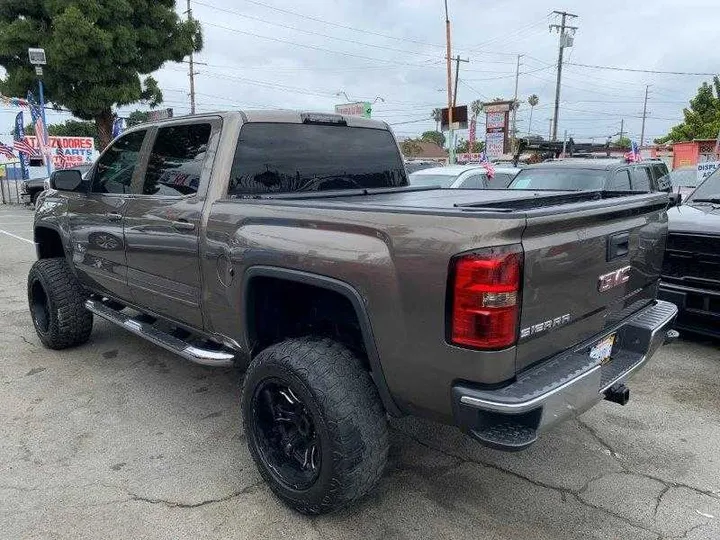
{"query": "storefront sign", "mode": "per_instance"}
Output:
(68, 152)
(495, 144)
(706, 168)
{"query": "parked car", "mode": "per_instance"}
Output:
(684, 180)
(464, 177)
(413, 165)
(346, 294)
(691, 268)
(594, 174)
(31, 189)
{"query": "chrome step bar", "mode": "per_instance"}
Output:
(205, 357)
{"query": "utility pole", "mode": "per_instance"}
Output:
(192, 66)
(448, 56)
(642, 130)
(457, 74)
(622, 128)
(565, 41)
(550, 129)
(515, 103)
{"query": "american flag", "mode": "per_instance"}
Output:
(485, 162)
(25, 147)
(40, 132)
(6, 151)
(634, 154)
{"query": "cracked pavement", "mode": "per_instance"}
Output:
(120, 439)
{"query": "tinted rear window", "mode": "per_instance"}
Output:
(284, 158)
(560, 179)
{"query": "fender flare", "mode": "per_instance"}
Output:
(344, 289)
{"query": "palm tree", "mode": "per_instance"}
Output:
(532, 101)
(436, 115)
(476, 107)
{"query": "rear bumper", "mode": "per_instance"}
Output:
(568, 384)
(699, 309)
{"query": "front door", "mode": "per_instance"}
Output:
(162, 221)
(95, 219)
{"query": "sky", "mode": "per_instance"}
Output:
(301, 54)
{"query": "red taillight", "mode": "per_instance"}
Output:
(485, 294)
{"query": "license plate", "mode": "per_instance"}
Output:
(603, 349)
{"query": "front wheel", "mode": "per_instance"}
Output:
(57, 305)
(314, 424)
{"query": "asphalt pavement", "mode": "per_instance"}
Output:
(120, 439)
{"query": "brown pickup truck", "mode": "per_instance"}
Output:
(291, 246)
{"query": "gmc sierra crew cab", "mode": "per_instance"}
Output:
(291, 246)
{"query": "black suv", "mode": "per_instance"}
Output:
(594, 174)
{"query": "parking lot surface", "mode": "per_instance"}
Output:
(120, 439)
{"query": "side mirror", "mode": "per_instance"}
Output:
(66, 180)
(675, 199)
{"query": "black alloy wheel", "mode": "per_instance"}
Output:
(285, 431)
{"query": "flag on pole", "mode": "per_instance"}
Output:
(489, 167)
(118, 127)
(25, 148)
(472, 133)
(634, 154)
(19, 136)
(40, 130)
(6, 151)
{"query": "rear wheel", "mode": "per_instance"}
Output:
(57, 305)
(314, 424)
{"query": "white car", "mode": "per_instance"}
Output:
(464, 177)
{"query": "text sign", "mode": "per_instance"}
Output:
(706, 168)
(68, 152)
(361, 108)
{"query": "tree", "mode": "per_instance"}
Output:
(533, 100)
(137, 117)
(433, 137)
(463, 146)
(476, 107)
(96, 52)
(622, 142)
(436, 115)
(410, 148)
(702, 119)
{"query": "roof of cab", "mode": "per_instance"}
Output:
(277, 116)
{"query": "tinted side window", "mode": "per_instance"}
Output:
(176, 160)
(286, 157)
(475, 181)
(641, 180)
(620, 181)
(500, 180)
(114, 170)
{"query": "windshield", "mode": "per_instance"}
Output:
(560, 179)
(684, 178)
(442, 180)
(287, 158)
(709, 190)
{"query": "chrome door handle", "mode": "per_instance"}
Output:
(113, 216)
(183, 225)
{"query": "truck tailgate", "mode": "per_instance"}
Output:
(587, 267)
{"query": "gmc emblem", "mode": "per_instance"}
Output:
(613, 279)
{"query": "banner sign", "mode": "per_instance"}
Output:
(68, 152)
(19, 135)
(470, 157)
(706, 168)
(495, 144)
(360, 108)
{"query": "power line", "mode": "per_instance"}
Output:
(614, 68)
(313, 47)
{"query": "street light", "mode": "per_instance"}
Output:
(38, 59)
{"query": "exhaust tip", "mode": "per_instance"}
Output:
(618, 393)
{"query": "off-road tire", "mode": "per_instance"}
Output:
(63, 321)
(349, 419)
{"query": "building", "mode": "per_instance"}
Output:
(694, 152)
(428, 151)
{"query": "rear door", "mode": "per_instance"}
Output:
(95, 220)
(642, 179)
(568, 258)
(162, 221)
